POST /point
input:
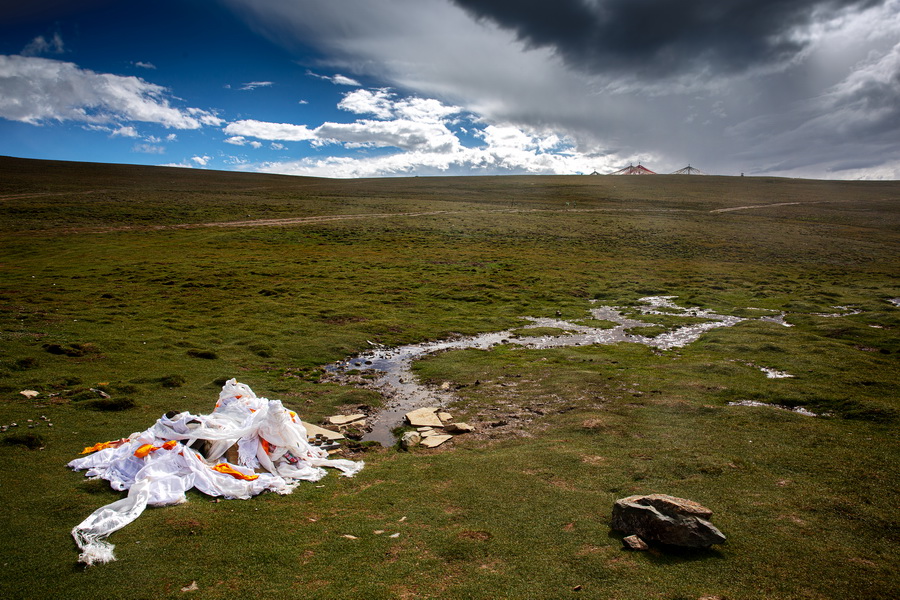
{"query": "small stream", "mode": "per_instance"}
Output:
(394, 379)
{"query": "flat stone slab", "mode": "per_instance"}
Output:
(460, 428)
(30, 393)
(424, 417)
(346, 419)
(313, 430)
(434, 441)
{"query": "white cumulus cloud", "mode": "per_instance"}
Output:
(38, 90)
(336, 79)
(269, 131)
(148, 149)
(252, 85)
(41, 45)
(420, 131)
(126, 131)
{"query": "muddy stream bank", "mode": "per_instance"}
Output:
(390, 369)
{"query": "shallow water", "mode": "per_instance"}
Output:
(773, 374)
(799, 409)
(394, 379)
(846, 311)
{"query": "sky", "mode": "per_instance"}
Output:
(373, 88)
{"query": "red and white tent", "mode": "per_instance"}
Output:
(634, 170)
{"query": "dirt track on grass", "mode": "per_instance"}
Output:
(721, 210)
(328, 218)
(42, 194)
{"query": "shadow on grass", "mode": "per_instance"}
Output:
(664, 554)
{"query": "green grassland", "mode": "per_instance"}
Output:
(156, 284)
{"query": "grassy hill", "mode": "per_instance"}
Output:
(155, 284)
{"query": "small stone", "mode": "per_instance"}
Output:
(445, 417)
(424, 417)
(350, 537)
(30, 393)
(424, 429)
(345, 419)
(190, 588)
(445, 385)
(394, 535)
(633, 542)
(460, 428)
(378, 531)
(410, 439)
(435, 440)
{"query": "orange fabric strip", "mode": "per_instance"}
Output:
(144, 450)
(229, 470)
(104, 445)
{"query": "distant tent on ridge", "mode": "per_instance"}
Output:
(634, 170)
(688, 170)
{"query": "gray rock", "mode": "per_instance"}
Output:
(633, 542)
(410, 439)
(666, 519)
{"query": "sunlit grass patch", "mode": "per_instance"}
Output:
(520, 507)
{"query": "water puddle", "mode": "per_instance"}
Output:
(389, 370)
(797, 409)
(773, 374)
(845, 311)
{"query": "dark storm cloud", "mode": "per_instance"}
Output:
(660, 38)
